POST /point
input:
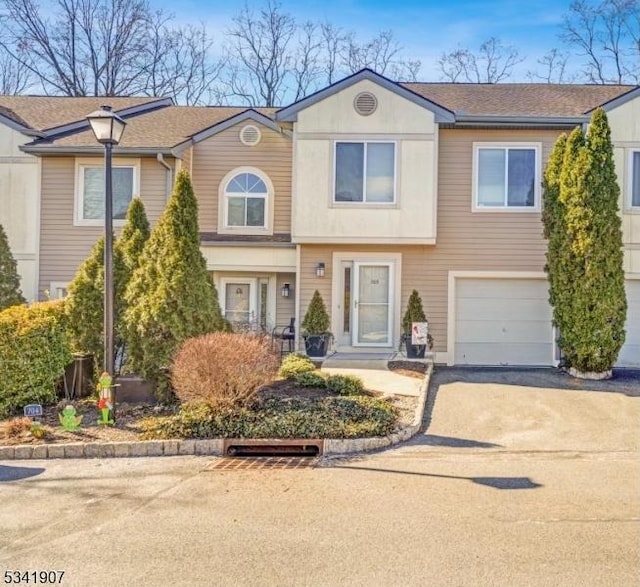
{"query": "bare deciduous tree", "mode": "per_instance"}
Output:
(491, 64)
(15, 78)
(260, 57)
(553, 68)
(607, 36)
(107, 48)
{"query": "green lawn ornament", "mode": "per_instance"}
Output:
(68, 418)
(106, 399)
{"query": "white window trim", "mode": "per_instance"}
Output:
(55, 287)
(223, 227)
(78, 220)
(537, 195)
(629, 207)
(364, 202)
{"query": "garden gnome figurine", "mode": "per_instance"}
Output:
(105, 403)
(68, 418)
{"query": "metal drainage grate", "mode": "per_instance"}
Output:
(244, 464)
(241, 447)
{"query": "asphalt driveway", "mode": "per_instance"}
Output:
(531, 410)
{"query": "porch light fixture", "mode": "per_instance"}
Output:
(107, 127)
(285, 291)
(320, 270)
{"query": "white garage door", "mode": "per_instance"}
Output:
(503, 322)
(630, 353)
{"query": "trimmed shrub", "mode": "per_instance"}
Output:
(311, 379)
(331, 417)
(345, 384)
(293, 365)
(316, 319)
(223, 369)
(34, 351)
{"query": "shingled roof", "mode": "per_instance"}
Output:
(163, 128)
(527, 100)
(45, 112)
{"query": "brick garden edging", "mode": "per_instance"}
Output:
(210, 447)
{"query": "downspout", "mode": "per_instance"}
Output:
(169, 180)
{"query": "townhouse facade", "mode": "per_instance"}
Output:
(363, 191)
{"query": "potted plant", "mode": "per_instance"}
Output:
(315, 327)
(414, 313)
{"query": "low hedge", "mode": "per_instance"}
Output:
(34, 350)
(329, 417)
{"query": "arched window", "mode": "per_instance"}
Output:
(246, 201)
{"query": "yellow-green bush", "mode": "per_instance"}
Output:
(295, 364)
(34, 350)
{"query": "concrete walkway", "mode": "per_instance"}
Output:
(386, 382)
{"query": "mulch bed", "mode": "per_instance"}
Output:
(129, 416)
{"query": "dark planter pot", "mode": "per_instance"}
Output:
(134, 390)
(316, 344)
(414, 351)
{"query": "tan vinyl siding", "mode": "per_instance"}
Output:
(187, 160)
(285, 307)
(216, 156)
(466, 240)
(64, 246)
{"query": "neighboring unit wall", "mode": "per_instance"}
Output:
(467, 241)
(64, 246)
(213, 158)
(411, 219)
(625, 134)
(19, 190)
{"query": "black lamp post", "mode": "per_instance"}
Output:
(108, 128)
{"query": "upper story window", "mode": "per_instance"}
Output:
(246, 197)
(507, 176)
(634, 199)
(89, 209)
(365, 172)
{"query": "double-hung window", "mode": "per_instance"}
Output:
(365, 172)
(634, 196)
(507, 176)
(246, 203)
(90, 192)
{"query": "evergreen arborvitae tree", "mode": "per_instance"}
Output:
(171, 296)
(585, 255)
(414, 312)
(10, 293)
(84, 306)
(135, 234)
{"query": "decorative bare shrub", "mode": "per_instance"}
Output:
(223, 369)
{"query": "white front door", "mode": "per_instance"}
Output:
(372, 304)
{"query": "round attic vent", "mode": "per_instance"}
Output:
(250, 135)
(365, 103)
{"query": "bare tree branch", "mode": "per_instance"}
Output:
(607, 36)
(493, 63)
(553, 68)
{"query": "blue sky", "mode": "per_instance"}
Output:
(425, 28)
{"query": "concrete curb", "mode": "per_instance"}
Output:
(205, 447)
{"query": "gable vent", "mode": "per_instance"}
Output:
(365, 103)
(250, 135)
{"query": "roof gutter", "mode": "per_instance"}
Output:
(169, 174)
(54, 150)
(533, 121)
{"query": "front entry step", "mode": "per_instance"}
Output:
(345, 360)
